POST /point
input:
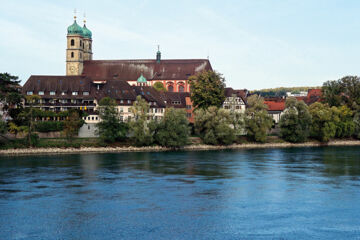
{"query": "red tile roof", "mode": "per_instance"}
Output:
(275, 105)
(130, 70)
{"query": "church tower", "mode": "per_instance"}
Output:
(75, 49)
(87, 42)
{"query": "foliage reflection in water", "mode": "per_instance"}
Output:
(257, 194)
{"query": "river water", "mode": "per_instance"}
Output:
(299, 193)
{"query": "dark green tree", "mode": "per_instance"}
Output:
(323, 125)
(110, 128)
(332, 93)
(213, 125)
(295, 122)
(207, 89)
(72, 124)
(173, 130)
(257, 121)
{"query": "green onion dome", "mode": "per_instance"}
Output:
(86, 32)
(141, 79)
(75, 29)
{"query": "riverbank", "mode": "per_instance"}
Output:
(195, 147)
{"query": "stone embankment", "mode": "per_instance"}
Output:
(49, 151)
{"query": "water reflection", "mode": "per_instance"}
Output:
(215, 193)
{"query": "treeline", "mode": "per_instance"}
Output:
(280, 91)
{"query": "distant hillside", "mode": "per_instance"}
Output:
(280, 91)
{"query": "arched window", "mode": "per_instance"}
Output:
(81, 43)
(90, 46)
(181, 88)
(72, 54)
(170, 88)
(72, 42)
(80, 55)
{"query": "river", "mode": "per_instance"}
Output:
(290, 193)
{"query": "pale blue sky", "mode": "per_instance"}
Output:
(253, 43)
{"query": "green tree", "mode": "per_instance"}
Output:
(159, 86)
(295, 121)
(110, 128)
(173, 130)
(331, 93)
(343, 119)
(357, 125)
(142, 128)
(257, 121)
(323, 126)
(207, 89)
(72, 125)
(237, 122)
(29, 116)
(213, 125)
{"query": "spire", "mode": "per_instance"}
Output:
(75, 14)
(158, 55)
(84, 19)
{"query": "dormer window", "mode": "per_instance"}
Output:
(63, 93)
(74, 93)
(86, 93)
(52, 93)
(129, 101)
(29, 93)
(41, 93)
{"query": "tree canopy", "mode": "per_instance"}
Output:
(295, 122)
(110, 128)
(258, 122)
(173, 130)
(159, 86)
(207, 89)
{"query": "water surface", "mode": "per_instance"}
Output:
(300, 193)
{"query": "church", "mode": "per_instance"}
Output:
(172, 73)
(87, 81)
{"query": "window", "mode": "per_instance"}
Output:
(86, 93)
(188, 106)
(41, 92)
(75, 93)
(175, 102)
(81, 43)
(80, 55)
(88, 127)
(170, 88)
(29, 93)
(129, 101)
(238, 107)
(96, 118)
(90, 46)
(52, 93)
(121, 110)
(129, 110)
(72, 54)
(181, 88)
(92, 118)
(63, 93)
(121, 101)
(72, 43)
(89, 118)
(188, 115)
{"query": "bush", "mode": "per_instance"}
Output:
(213, 125)
(49, 126)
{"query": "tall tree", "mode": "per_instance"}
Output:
(295, 122)
(323, 126)
(343, 119)
(141, 127)
(332, 93)
(207, 89)
(29, 115)
(258, 122)
(110, 128)
(173, 130)
(10, 94)
(72, 125)
(213, 125)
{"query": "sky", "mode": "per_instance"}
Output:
(255, 44)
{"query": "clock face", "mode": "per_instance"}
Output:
(72, 69)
